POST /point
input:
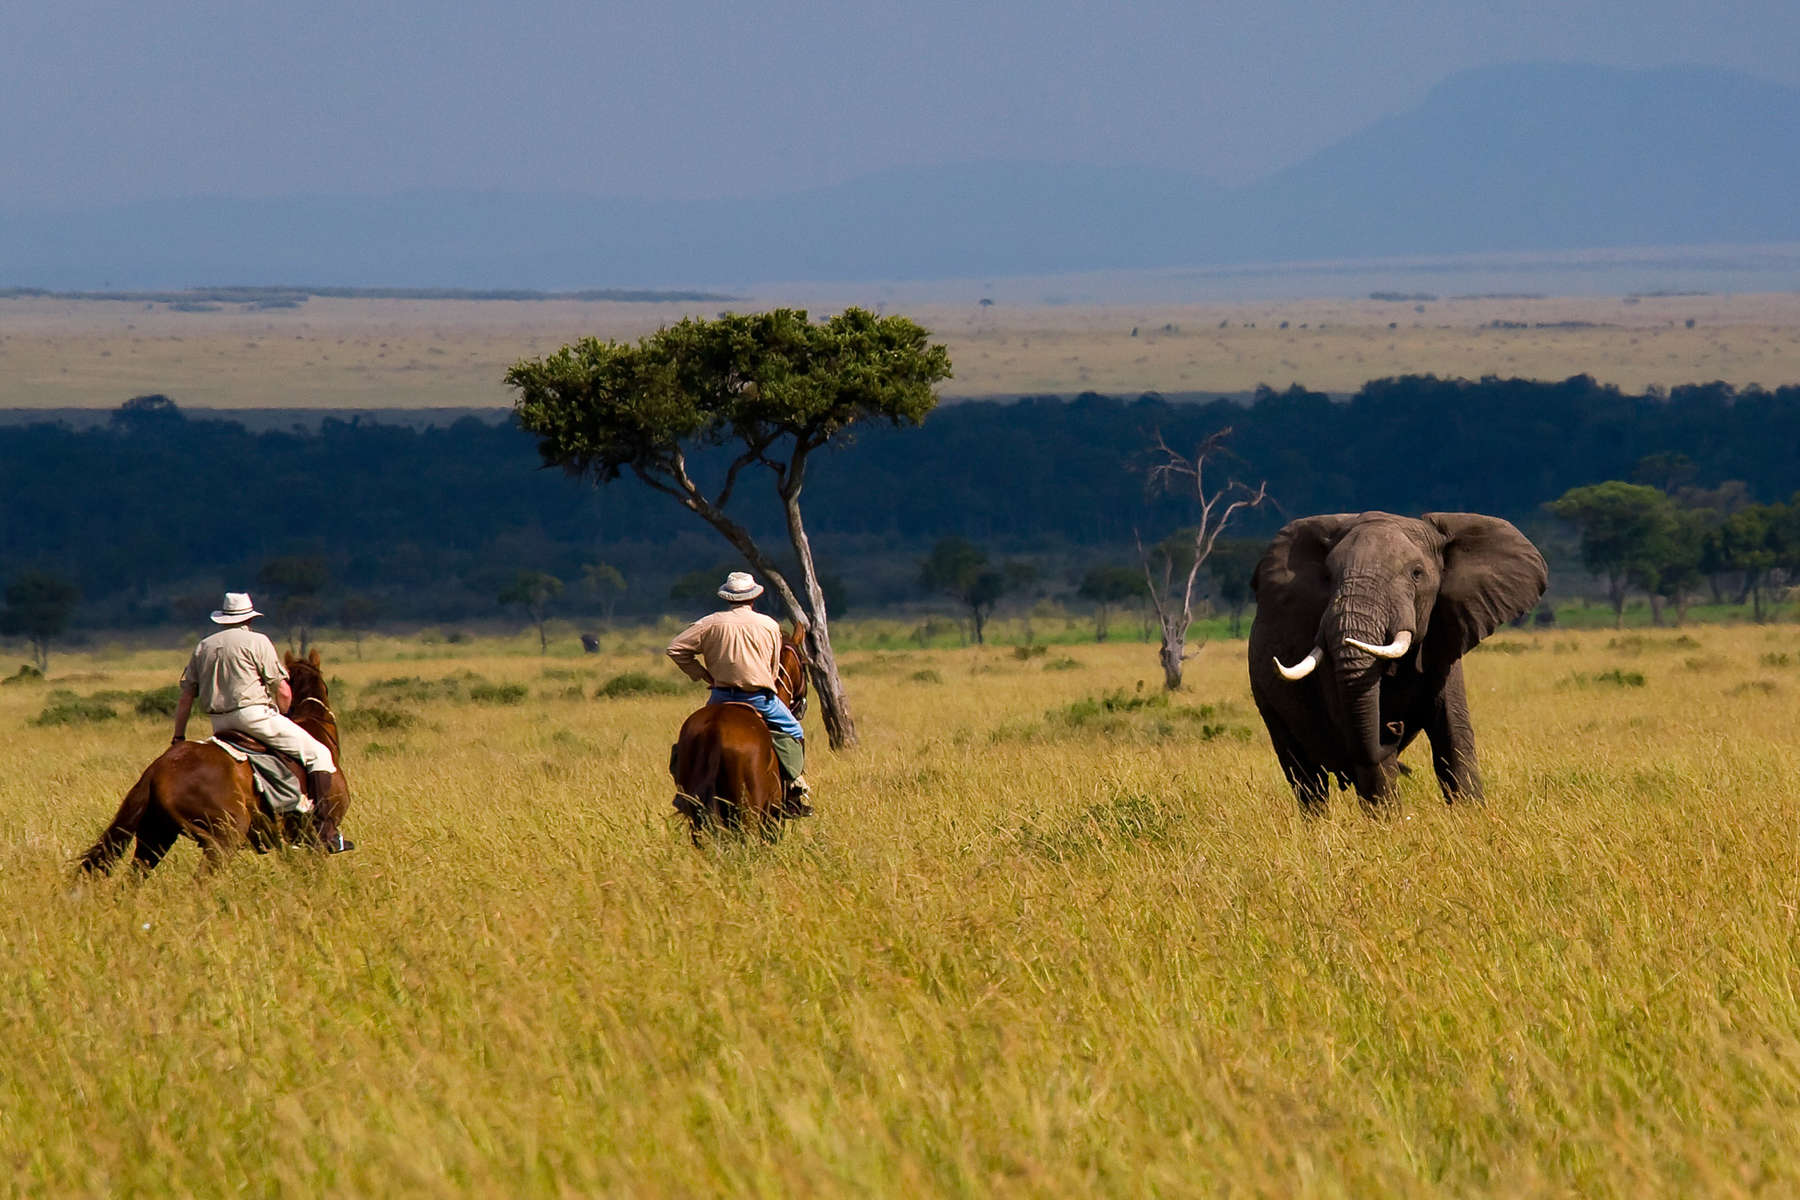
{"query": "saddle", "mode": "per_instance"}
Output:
(279, 778)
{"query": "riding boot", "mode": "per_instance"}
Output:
(319, 784)
(790, 758)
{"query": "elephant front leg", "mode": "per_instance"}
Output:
(1375, 787)
(1452, 737)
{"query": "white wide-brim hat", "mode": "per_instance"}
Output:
(740, 585)
(237, 610)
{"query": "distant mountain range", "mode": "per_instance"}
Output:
(1500, 159)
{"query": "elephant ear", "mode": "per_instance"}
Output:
(1291, 582)
(1492, 573)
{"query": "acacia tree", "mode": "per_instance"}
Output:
(1231, 563)
(1180, 557)
(533, 591)
(1622, 526)
(296, 582)
(773, 388)
(38, 606)
(1105, 587)
(605, 583)
(960, 569)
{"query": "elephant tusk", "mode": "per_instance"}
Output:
(1301, 669)
(1394, 649)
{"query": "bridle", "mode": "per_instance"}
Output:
(315, 700)
(786, 680)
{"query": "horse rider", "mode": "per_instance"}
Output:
(742, 652)
(240, 683)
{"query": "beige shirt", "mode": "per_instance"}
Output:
(232, 669)
(742, 649)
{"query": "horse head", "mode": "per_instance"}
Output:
(307, 678)
(790, 680)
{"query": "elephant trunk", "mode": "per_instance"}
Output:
(1358, 636)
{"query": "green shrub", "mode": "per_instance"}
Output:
(1612, 678)
(1028, 652)
(157, 702)
(411, 689)
(1062, 664)
(928, 675)
(499, 693)
(377, 718)
(636, 683)
(25, 674)
(66, 708)
(1775, 659)
(1638, 643)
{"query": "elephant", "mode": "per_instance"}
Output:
(1361, 623)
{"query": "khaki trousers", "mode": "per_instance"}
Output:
(269, 727)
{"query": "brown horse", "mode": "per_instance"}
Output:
(197, 789)
(724, 761)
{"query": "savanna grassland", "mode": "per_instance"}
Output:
(1048, 935)
(335, 353)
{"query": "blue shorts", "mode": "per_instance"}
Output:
(774, 713)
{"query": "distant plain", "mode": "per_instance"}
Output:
(417, 354)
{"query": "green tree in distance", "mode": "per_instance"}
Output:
(357, 614)
(603, 583)
(38, 607)
(1230, 565)
(959, 569)
(1105, 587)
(533, 591)
(774, 387)
(1622, 529)
(293, 584)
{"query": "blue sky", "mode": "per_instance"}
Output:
(108, 101)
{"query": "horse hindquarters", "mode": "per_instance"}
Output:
(724, 768)
(118, 836)
(191, 788)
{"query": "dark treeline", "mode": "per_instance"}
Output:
(152, 513)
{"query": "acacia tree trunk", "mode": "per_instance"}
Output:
(1173, 652)
(834, 704)
(822, 669)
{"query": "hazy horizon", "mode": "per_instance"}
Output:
(703, 100)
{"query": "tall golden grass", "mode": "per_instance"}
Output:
(1043, 938)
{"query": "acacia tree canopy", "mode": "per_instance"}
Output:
(38, 606)
(774, 385)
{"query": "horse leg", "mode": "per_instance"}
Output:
(157, 832)
(221, 836)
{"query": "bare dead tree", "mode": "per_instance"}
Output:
(1184, 475)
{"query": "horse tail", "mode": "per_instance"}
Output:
(117, 838)
(697, 765)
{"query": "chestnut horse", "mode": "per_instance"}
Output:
(197, 789)
(724, 761)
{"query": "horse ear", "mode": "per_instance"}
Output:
(288, 659)
(313, 658)
(1492, 574)
(1291, 582)
(799, 635)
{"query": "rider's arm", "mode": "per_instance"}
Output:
(284, 695)
(685, 651)
(183, 707)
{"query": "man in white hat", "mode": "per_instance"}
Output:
(742, 649)
(240, 683)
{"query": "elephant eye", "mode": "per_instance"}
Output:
(1418, 573)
